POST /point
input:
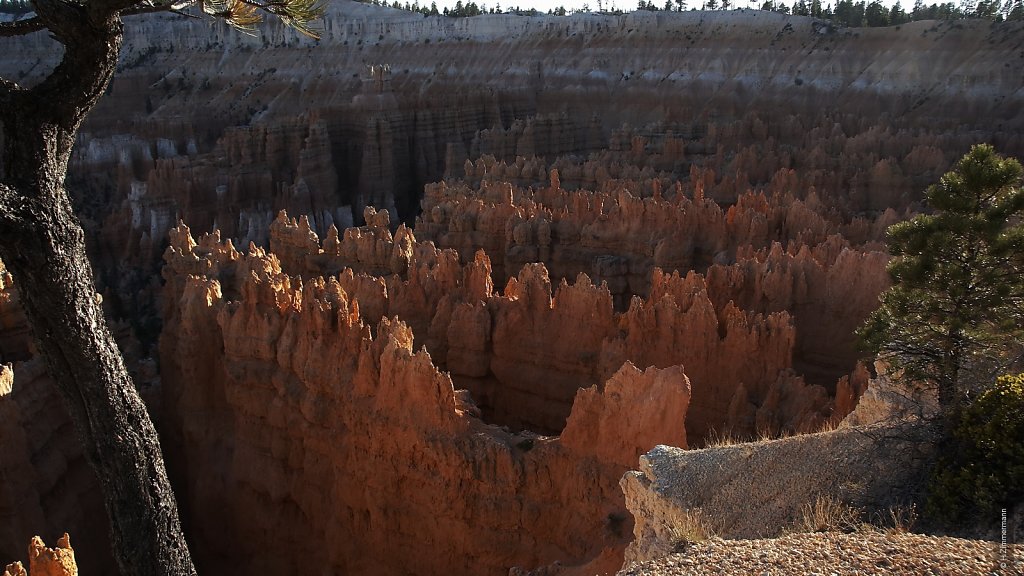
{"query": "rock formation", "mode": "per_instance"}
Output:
(886, 398)
(524, 353)
(45, 483)
(786, 254)
(755, 490)
(324, 427)
(222, 129)
(43, 561)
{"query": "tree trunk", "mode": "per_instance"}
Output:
(43, 246)
(949, 377)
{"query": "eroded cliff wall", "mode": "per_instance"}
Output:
(296, 415)
(767, 253)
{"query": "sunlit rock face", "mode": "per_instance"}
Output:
(303, 408)
(767, 253)
(357, 367)
(45, 561)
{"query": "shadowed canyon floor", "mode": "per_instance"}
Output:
(452, 278)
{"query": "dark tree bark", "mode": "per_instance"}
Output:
(43, 246)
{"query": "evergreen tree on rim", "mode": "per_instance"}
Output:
(954, 316)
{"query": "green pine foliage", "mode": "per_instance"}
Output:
(241, 14)
(984, 470)
(955, 312)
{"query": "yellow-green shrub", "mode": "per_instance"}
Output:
(984, 470)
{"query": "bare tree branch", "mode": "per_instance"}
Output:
(156, 8)
(21, 27)
(60, 17)
(145, 9)
(6, 89)
(134, 8)
(104, 8)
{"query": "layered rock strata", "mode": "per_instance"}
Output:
(223, 129)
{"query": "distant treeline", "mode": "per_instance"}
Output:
(460, 10)
(875, 14)
(15, 7)
(844, 13)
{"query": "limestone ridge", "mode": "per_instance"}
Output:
(876, 460)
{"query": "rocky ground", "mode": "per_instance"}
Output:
(835, 554)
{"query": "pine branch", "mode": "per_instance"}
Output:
(21, 27)
(175, 8)
(244, 14)
(104, 8)
(6, 89)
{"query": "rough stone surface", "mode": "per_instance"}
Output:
(756, 490)
(839, 554)
(323, 427)
(44, 561)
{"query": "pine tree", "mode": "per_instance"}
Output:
(897, 15)
(876, 15)
(955, 313)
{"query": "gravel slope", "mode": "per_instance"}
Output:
(839, 554)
